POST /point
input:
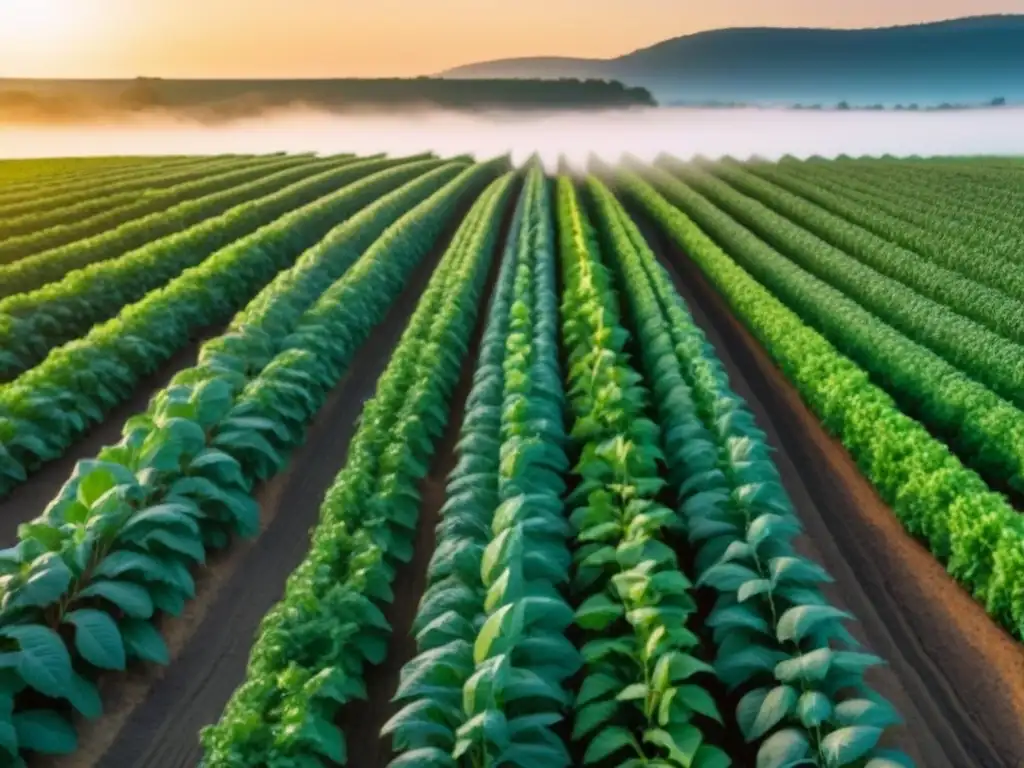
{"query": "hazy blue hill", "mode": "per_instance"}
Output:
(964, 60)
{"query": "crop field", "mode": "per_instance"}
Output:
(433, 462)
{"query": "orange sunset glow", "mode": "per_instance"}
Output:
(343, 38)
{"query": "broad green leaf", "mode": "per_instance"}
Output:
(47, 581)
(810, 666)
(879, 714)
(795, 570)
(727, 577)
(327, 737)
(845, 746)
(889, 758)
(736, 617)
(142, 641)
(849, 661)
(813, 709)
(489, 632)
(43, 661)
(46, 732)
(93, 484)
(84, 697)
(698, 700)
(8, 737)
(598, 612)
(610, 741)
(753, 588)
(596, 686)
(783, 749)
(633, 692)
(761, 710)
(796, 623)
(425, 757)
(593, 716)
(97, 638)
(709, 756)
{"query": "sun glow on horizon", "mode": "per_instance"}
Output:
(38, 34)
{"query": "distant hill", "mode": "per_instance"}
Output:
(969, 60)
(221, 100)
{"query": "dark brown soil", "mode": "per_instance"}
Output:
(29, 499)
(955, 676)
(152, 716)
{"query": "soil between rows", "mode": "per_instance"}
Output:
(152, 714)
(955, 676)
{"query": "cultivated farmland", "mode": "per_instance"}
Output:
(444, 463)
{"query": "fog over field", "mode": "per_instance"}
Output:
(643, 132)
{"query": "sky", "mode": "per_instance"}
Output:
(387, 38)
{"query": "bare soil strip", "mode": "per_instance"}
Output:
(153, 714)
(956, 677)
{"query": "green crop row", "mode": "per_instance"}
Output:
(64, 210)
(986, 431)
(40, 240)
(983, 215)
(991, 308)
(34, 324)
(977, 351)
(309, 655)
(36, 279)
(117, 544)
(38, 180)
(51, 406)
(779, 644)
(988, 202)
(488, 681)
(974, 531)
(898, 223)
(643, 700)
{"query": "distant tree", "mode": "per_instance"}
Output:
(913, 107)
(999, 101)
(842, 105)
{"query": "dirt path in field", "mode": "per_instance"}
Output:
(362, 721)
(30, 498)
(153, 714)
(956, 677)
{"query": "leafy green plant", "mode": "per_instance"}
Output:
(641, 702)
(122, 535)
(778, 641)
(973, 530)
(309, 656)
(972, 213)
(40, 191)
(44, 411)
(986, 431)
(32, 324)
(35, 234)
(938, 318)
(489, 681)
(960, 245)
